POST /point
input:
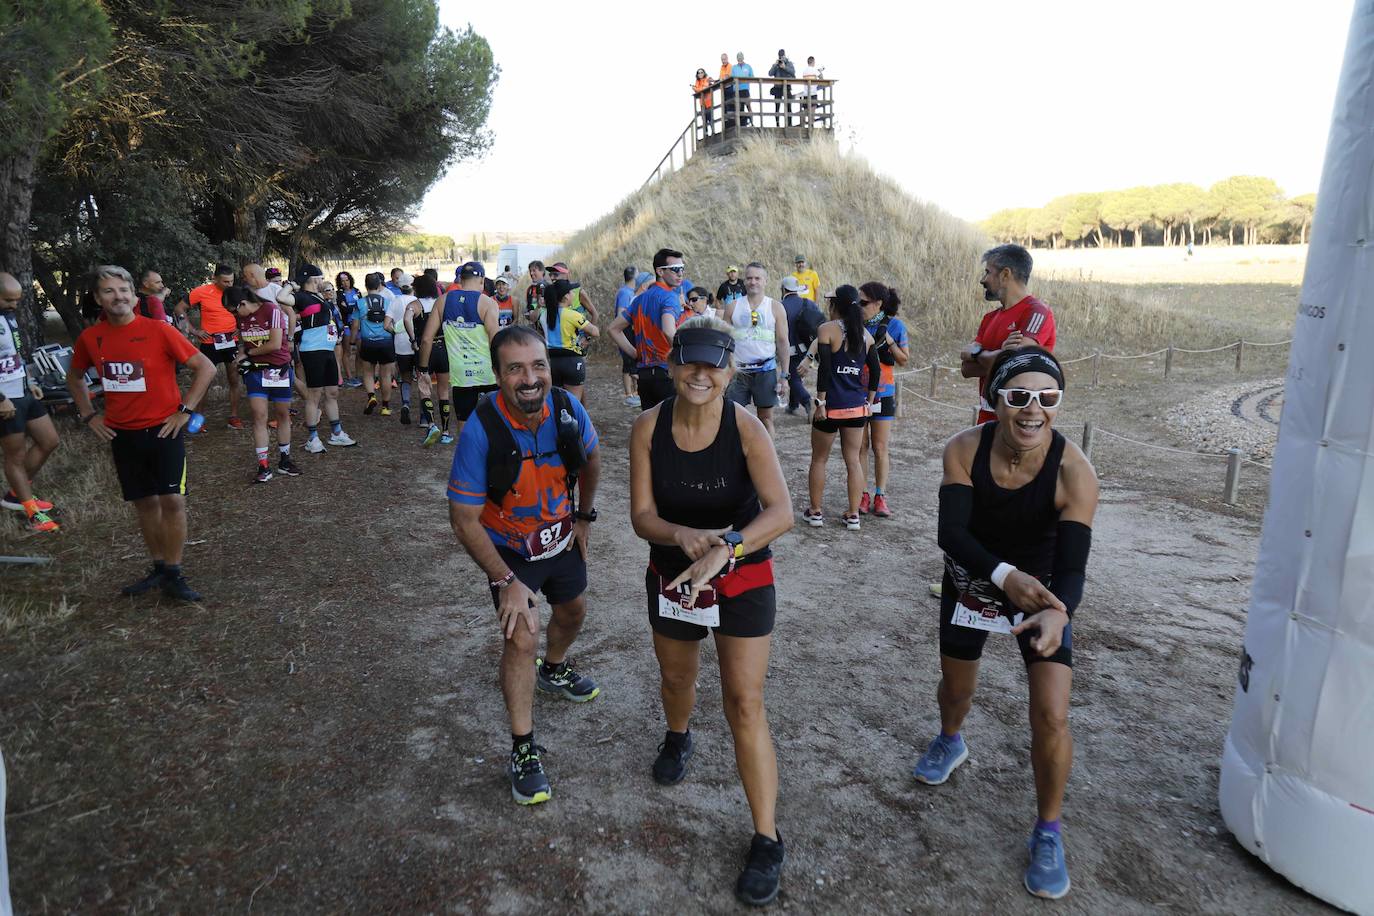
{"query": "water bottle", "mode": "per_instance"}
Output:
(196, 422)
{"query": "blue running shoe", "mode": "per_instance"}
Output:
(528, 783)
(446, 439)
(1047, 875)
(431, 436)
(940, 759)
(565, 682)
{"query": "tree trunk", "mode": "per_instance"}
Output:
(16, 245)
(1191, 238)
(63, 296)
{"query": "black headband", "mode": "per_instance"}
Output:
(1025, 361)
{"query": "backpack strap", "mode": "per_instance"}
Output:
(569, 439)
(503, 454)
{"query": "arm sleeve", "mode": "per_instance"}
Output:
(875, 369)
(825, 357)
(1072, 542)
(956, 508)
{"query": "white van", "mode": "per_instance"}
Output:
(518, 257)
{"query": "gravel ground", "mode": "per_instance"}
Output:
(1243, 415)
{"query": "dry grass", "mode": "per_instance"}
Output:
(771, 201)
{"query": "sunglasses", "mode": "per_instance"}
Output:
(696, 298)
(754, 318)
(1019, 398)
(678, 269)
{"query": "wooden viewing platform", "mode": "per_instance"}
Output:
(803, 112)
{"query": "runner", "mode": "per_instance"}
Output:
(844, 400)
(403, 342)
(731, 289)
(761, 334)
(566, 331)
(376, 349)
(504, 302)
(623, 297)
(653, 315)
(416, 317)
(22, 414)
(152, 296)
(143, 420)
(1016, 506)
(582, 300)
(265, 363)
(889, 336)
(319, 363)
(708, 495)
(347, 296)
(514, 516)
(468, 320)
(217, 331)
(1021, 320)
(534, 293)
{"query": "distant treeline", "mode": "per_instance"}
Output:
(1243, 210)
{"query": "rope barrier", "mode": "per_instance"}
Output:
(917, 394)
(1081, 359)
(1275, 343)
(1162, 448)
(1230, 346)
(1138, 355)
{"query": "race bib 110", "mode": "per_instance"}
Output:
(124, 376)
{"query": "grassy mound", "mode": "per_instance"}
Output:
(772, 201)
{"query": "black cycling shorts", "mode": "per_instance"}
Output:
(438, 358)
(655, 386)
(966, 643)
(834, 426)
(379, 354)
(465, 400)
(749, 613)
(26, 408)
(561, 578)
(218, 357)
(321, 368)
(147, 465)
(405, 365)
(568, 370)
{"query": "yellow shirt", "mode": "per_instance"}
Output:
(811, 284)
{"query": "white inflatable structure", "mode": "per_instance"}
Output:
(1297, 772)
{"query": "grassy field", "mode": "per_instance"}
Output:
(1276, 264)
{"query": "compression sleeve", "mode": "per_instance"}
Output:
(875, 369)
(825, 357)
(956, 508)
(1072, 543)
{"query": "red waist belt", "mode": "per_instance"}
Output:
(746, 577)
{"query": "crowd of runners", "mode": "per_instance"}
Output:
(707, 491)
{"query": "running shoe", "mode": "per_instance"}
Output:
(565, 682)
(386, 411)
(758, 883)
(371, 403)
(288, 467)
(177, 587)
(234, 423)
(937, 590)
(40, 522)
(528, 783)
(431, 436)
(940, 759)
(863, 503)
(851, 522)
(631, 401)
(11, 501)
(446, 439)
(1047, 875)
(342, 438)
(146, 584)
(314, 446)
(670, 767)
(880, 508)
(354, 382)
(264, 473)
(814, 517)
(405, 414)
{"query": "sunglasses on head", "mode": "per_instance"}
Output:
(1019, 398)
(678, 269)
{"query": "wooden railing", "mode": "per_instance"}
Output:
(669, 160)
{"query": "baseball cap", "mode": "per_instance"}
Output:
(307, 271)
(643, 277)
(272, 273)
(555, 291)
(557, 267)
(798, 259)
(791, 284)
(506, 280)
(702, 345)
(404, 279)
(732, 269)
(471, 269)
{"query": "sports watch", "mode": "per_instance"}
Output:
(586, 516)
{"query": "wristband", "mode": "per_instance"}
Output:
(502, 582)
(999, 575)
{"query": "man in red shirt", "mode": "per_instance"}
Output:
(1020, 321)
(143, 419)
(217, 331)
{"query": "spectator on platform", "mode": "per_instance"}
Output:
(742, 73)
(702, 89)
(782, 69)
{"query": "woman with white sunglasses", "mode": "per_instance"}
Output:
(1016, 507)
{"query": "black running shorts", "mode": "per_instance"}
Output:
(568, 370)
(321, 369)
(561, 578)
(148, 465)
(379, 354)
(750, 613)
(966, 643)
(26, 409)
(655, 386)
(834, 426)
(465, 400)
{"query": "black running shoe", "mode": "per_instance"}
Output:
(670, 768)
(758, 883)
(565, 682)
(371, 403)
(405, 414)
(528, 784)
(177, 587)
(288, 467)
(144, 585)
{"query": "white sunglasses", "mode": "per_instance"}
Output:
(1020, 398)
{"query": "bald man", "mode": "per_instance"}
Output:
(23, 416)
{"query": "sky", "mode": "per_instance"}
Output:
(974, 106)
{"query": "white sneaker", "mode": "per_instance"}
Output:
(851, 522)
(342, 438)
(632, 401)
(314, 446)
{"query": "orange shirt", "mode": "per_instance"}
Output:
(725, 71)
(703, 91)
(214, 317)
(137, 364)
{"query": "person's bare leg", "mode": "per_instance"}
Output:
(864, 446)
(820, 455)
(283, 411)
(579, 392)
(235, 384)
(331, 404)
(1051, 740)
(369, 386)
(766, 418)
(44, 436)
(958, 679)
(172, 527)
(743, 668)
(15, 460)
(853, 467)
(882, 434)
(565, 621)
(149, 510)
(679, 661)
(517, 677)
(312, 406)
(258, 408)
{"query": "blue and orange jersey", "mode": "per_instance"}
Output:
(646, 317)
(540, 493)
(896, 332)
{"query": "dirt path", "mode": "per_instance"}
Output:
(326, 733)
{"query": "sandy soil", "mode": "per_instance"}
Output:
(326, 733)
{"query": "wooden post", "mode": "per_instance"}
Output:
(933, 369)
(1088, 439)
(897, 399)
(1097, 368)
(1168, 360)
(735, 83)
(1240, 352)
(1233, 457)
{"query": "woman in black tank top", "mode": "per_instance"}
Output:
(708, 495)
(1015, 509)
